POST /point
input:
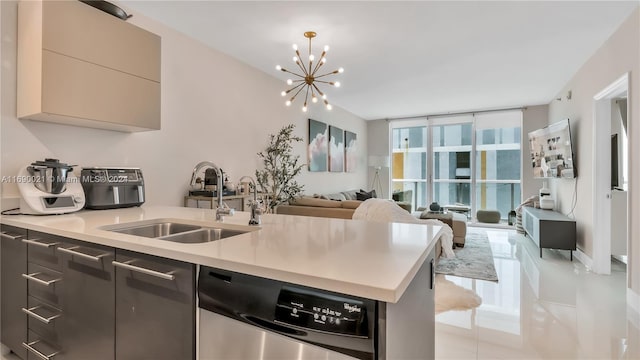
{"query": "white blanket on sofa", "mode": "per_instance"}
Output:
(381, 210)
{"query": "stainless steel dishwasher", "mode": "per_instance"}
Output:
(248, 317)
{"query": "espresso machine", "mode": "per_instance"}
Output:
(49, 187)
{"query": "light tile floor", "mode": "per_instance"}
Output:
(549, 308)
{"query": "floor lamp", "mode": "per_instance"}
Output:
(378, 162)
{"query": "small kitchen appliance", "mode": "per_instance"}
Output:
(111, 188)
(49, 187)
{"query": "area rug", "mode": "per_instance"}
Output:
(450, 296)
(474, 260)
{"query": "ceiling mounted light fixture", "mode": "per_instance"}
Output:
(308, 80)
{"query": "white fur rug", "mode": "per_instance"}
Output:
(450, 296)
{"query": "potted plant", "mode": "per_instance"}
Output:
(277, 179)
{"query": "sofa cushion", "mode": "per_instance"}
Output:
(335, 196)
(350, 204)
(365, 195)
(350, 195)
(309, 201)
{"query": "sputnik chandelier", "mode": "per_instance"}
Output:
(308, 81)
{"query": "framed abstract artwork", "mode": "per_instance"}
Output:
(350, 151)
(336, 149)
(317, 148)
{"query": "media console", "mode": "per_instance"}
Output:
(549, 229)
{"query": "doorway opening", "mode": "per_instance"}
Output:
(610, 174)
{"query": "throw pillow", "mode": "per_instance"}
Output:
(364, 195)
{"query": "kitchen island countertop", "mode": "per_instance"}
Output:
(359, 258)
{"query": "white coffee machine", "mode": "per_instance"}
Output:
(49, 187)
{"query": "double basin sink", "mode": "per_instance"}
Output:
(175, 231)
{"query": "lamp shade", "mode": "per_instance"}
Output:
(378, 161)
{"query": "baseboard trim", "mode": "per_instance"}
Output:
(583, 258)
(633, 303)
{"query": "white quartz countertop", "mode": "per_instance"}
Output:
(359, 258)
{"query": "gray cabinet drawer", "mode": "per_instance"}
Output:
(39, 348)
(43, 319)
(44, 284)
(41, 250)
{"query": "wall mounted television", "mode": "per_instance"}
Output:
(552, 151)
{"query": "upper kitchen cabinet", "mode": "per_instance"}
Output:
(80, 66)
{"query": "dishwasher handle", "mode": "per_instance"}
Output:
(279, 328)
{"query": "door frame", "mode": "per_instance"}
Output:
(601, 188)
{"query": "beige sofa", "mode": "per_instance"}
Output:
(340, 205)
(310, 206)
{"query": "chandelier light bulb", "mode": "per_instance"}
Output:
(309, 77)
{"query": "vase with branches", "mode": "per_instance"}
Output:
(277, 179)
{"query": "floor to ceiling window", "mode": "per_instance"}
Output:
(467, 162)
(409, 163)
(498, 162)
(451, 175)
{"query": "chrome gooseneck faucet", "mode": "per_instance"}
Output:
(222, 208)
(256, 210)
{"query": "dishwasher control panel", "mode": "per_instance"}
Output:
(321, 312)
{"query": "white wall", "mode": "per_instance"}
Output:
(213, 108)
(619, 54)
(378, 131)
(533, 118)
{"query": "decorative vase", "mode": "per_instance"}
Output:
(434, 206)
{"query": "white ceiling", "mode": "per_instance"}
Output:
(410, 58)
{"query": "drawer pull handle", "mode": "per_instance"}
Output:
(127, 265)
(73, 251)
(38, 243)
(12, 237)
(29, 346)
(30, 312)
(33, 277)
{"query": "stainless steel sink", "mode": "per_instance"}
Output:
(201, 236)
(157, 230)
(170, 230)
